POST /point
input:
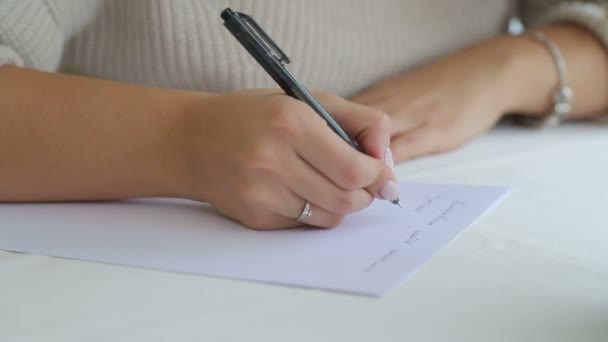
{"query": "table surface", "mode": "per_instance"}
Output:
(534, 269)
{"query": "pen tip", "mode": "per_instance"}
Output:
(397, 202)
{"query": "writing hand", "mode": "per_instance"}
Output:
(258, 155)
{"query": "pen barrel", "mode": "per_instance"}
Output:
(305, 96)
(252, 41)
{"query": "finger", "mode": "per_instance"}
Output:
(339, 162)
(306, 182)
(288, 210)
(348, 169)
(369, 127)
(318, 217)
(290, 207)
(271, 205)
(256, 217)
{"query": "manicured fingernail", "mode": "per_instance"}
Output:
(388, 159)
(390, 191)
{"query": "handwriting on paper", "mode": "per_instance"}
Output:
(418, 233)
(444, 215)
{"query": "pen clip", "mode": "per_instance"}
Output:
(272, 46)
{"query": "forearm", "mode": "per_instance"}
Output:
(65, 137)
(533, 77)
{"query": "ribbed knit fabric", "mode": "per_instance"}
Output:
(341, 46)
(593, 16)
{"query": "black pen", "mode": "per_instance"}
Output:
(273, 60)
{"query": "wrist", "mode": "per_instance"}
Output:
(529, 76)
(186, 144)
(515, 74)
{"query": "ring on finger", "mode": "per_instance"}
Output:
(306, 212)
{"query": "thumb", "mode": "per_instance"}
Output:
(382, 184)
(369, 127)
(387, 188)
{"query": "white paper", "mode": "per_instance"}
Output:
(369, 253)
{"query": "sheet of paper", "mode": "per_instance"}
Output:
(371, 252)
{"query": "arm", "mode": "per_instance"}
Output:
(58, 133)
(449, 102)
(530, 77)
(255, 155)
(66, 137)
(580, 29)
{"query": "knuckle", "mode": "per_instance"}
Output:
(284, 120)
(261, 156)
(381, 118)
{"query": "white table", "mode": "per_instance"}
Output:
(534, 269)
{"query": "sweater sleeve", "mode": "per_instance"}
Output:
(592, 15)
(29, 35)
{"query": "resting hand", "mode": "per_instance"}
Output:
(258, 155)
(445, 104)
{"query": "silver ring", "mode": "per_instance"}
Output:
(306, 212)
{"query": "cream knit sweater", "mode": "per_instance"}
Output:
(341, 46)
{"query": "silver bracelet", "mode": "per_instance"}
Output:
(563, 94)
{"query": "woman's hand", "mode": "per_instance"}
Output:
(445, 104)
(258, 155)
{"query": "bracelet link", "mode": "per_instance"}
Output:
(562, 97)
(561, 107)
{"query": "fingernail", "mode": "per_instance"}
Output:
(388, 159)
(390, 191)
